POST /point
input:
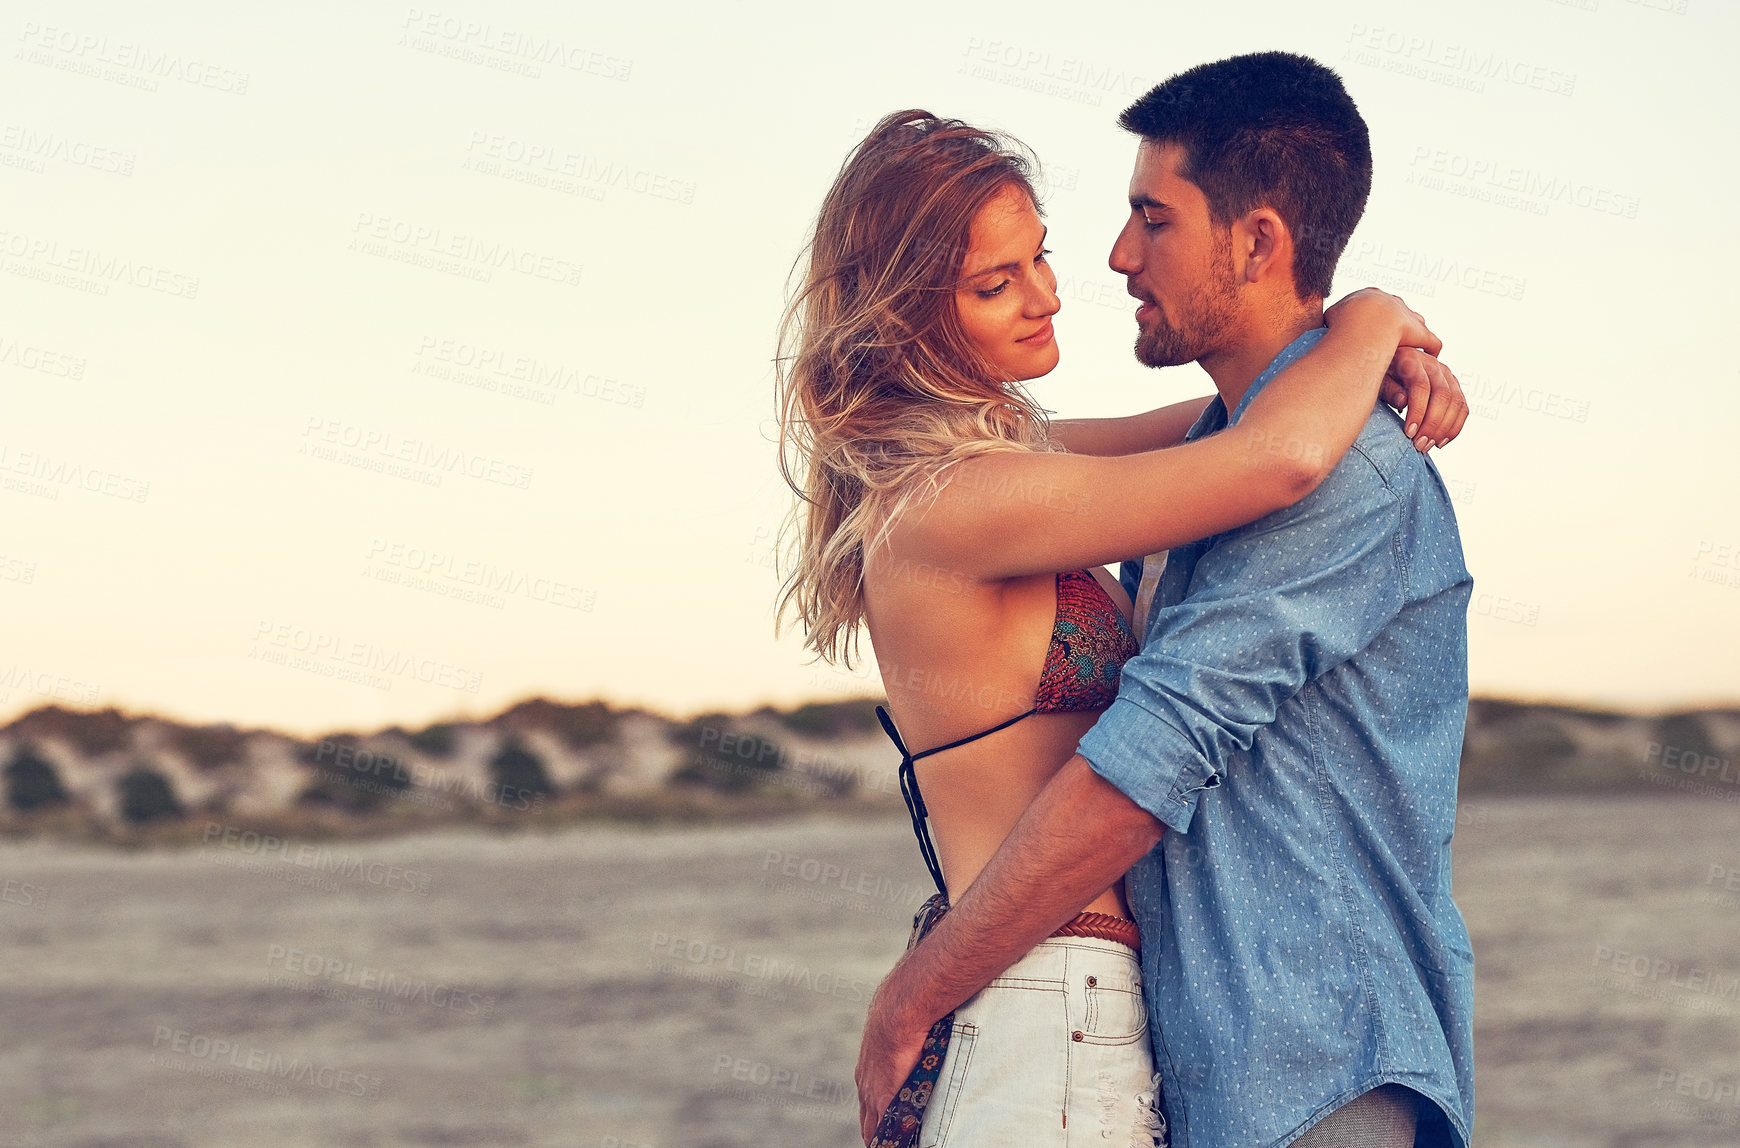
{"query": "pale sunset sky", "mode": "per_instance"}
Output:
(368, 363)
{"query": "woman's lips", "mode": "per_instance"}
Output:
(1039, 338)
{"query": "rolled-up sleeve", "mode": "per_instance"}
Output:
(1268, 608)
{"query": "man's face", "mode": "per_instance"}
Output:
(1176, 262)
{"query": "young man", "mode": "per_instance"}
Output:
(1278, 773)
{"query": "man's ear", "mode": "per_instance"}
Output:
(1262, 239)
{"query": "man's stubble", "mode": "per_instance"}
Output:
(1204, 317)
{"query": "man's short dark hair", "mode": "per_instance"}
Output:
(1271, 129)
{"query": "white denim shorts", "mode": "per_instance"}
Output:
(1053, 1052)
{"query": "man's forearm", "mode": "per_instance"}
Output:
(1077, 838)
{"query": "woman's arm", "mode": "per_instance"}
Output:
(1012, 513)
(1132, 434)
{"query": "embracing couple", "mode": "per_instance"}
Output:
(1190, 829)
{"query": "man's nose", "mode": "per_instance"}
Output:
(1125, 257)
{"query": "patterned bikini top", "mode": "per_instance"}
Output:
(1090, 642)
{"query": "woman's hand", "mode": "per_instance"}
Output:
(1433, 398)
(1369, 301)
(1415, 381)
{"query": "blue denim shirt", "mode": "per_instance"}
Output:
(1295, 720)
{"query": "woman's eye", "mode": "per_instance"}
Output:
(994, 291)
(1043, 252)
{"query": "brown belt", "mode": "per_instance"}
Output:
(1104, 927)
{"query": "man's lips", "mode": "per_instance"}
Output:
(1039, 338)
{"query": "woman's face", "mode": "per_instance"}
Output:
(1007, 292)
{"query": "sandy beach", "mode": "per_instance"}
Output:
(613, 986)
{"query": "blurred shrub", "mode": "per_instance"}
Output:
(719, 755)
(520, 775)
(350, 775)
(1687, 733)
(209, 746)
(146, 795)
(32, 782)
(91, 731)
(832, 719)
(575, 726)
(438, 740)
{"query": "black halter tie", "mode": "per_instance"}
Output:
(915, 799)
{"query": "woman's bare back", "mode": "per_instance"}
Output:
(959, 655)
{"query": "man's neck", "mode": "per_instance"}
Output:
(1236, 367)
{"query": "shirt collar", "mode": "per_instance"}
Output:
(1214, 416)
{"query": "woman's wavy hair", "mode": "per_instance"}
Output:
(880, 389)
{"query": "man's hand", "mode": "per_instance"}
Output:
(1433, 398)
(885, 1059)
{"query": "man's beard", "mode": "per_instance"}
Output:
(1204, 317)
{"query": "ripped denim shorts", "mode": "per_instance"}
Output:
(1054, 1051)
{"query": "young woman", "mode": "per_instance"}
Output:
(942, 509)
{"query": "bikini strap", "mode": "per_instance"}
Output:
(915, 800)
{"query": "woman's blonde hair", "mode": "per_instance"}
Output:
(880, 389)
